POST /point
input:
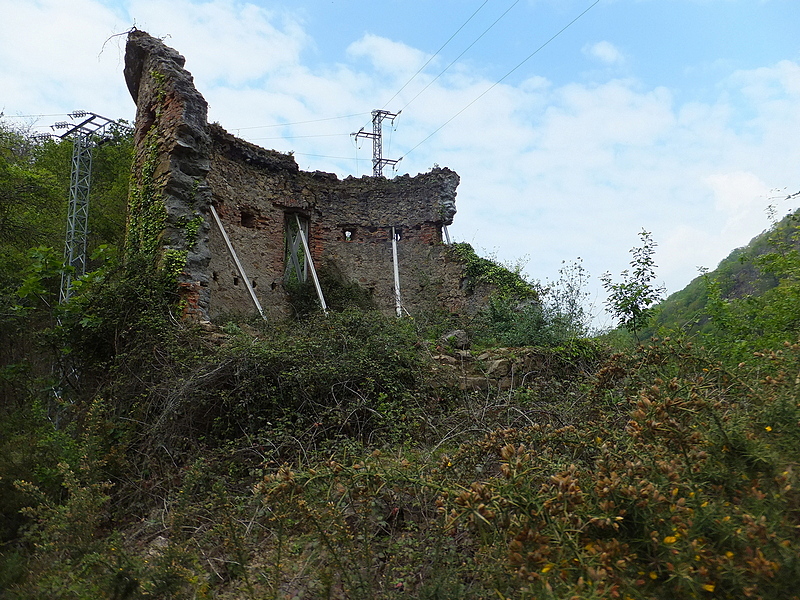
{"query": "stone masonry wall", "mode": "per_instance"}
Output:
(183, 165)
(169, 198)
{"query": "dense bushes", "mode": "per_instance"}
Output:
(319, 458)
(351, 373)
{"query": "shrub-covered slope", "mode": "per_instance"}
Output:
(364, 457)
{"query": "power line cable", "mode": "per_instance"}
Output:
(5, 116)
(454, 60)
(495, 84)
(292, 137)
(298, 122)
(435, 54)
(326, 156)
(430, 83)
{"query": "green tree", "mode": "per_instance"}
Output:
(631, 300)
(34, 193)
(29, 203)
(111, 164)
(566, 302)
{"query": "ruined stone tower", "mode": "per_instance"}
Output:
(186, 170)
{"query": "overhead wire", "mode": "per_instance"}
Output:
(326, 156)
(475, 41)
(431, 82)
(481, 95)
(499, 81)
(292, 137)
(435, 54)
(5, 116)
(298, 122)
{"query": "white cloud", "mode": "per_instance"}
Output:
(605, 52)
(53, 51)
(387, 56)
(229, 43)
(767, 84)
(736, 193)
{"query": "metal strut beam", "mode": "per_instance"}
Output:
(297, 237)
(237, 263)
(310, 263)
(398, 303)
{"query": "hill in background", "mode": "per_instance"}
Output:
(765, 267)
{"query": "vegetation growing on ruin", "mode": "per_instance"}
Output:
(147, 214)
(344, 456)
(480, 271)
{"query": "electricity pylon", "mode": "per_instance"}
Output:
(86, 134)
(378, 162)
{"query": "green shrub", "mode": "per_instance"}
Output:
(693, 493)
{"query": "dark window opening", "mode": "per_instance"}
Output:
(235, 281)
(248, 219)
(214, 275)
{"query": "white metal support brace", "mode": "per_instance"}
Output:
(397, 301)
(293, 241)
(239, 267)
(310, 263)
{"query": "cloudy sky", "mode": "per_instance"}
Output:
(681, 117)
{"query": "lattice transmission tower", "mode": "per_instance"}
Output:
(87, 133)
(378, 162)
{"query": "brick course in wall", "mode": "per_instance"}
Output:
(257, 193)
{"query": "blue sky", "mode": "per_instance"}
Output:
(677, 116)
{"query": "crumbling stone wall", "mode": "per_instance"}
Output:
(183, 166)
(169, 197)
